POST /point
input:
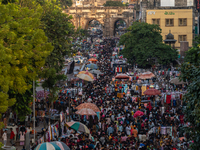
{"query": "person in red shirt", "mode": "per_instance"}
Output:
(12, 135)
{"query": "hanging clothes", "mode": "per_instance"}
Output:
(168, 99)
(143, 89)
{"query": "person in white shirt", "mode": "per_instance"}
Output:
(128, 130)
(4, 137)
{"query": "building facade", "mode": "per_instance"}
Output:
(177, 21)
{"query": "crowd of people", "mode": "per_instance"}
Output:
(115, 127)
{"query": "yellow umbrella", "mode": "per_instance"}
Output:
(88, 73)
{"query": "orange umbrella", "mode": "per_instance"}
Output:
(92, 59)
(88, 105)
(88, 73)
(86, 111)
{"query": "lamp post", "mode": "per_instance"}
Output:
(34, 109)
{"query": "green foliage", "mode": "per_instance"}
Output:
(193, 55)
(23, 50)
(1, 145)
(51, 78)
(113, 3)
(143, 45)
(8, 1)
(83, 33)
(66, 3)
(190, 72)
(22, 105)
(58, 29)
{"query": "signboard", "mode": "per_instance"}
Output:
(167, 3)
(169, 13)
(190, 3)
(198, 4)
(151, 13)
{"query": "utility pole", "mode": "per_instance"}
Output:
(34, 109)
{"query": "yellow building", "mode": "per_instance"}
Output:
(179, 21)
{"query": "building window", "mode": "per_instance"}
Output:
(169, 22)
(182, 38)
(156, 21)
(182, 22)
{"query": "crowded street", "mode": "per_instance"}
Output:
(117, 107)
(100, 75)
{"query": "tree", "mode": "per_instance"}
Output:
(59, 30)
(66, 3)
(190, 72)
(23, 50)
(113, 3)
(144, 45)
(22, 105)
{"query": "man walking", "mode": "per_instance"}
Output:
(4, 137)
(12, 135)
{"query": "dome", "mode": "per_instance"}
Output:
(170, 36)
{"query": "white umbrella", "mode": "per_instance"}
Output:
(85, 77)
(176, 81)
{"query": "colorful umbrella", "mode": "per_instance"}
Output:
(88, 105)
(138, 113)
(85, 77)
(86, 72)
(121, 76)
(146, 75)
(78, 126)
(152, 92)
(86, 111)
(62, 145)
(47, 146)
(92, 59)
(92, 66)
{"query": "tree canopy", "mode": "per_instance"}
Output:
(144, 45)
(23, 50)
(34, 37)
(113, 3)
(190, 72)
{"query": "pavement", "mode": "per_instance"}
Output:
(20, 147)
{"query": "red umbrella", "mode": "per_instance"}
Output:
(146, 75)
(121, 76)
(138, 113)
(152, 92)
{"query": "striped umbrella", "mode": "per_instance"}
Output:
(92, 59)
(47, 146)
(78, 126)
(62, 145)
